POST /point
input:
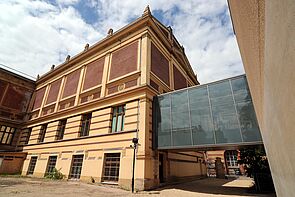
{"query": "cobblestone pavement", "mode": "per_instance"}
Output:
(34, 187)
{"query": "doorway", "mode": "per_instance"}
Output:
(161, 168)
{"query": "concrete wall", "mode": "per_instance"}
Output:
(191, 164)
(271, 78)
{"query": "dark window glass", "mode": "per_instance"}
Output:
(6, 134)
(32, 165)
(111, 167)
(76, 167)
(118, 118)
(27, 135)
(163, 120)
(51, 164)
(85, 125)
(61, 129)
(42, 133)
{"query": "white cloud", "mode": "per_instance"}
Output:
(35, 34)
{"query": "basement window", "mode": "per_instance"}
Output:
(51, 164)
(76, 167)
(32, 165)
(111, 167)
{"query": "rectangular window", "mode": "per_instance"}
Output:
(51, 164)
(27, 136)
(61, 129)
(6, 134)
(118, 118)
(111, 167)
(76, 167)
(32, 165)
(231, 158)
(42, 133)
(85, 125)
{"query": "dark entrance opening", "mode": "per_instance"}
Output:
(161, 168)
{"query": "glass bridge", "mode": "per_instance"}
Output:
(214, 115)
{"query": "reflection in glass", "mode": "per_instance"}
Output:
(217, 113)
(202, 125)
(226, 124)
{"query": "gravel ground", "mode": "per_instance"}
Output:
(34, 187)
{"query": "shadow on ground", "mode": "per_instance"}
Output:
(240, 186)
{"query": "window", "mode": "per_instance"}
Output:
(61, 129)
(231, 158)
(6, 134)
(111, 167)
(27, 135)
(32, 165)
(118, 118)
(76, 167)
(51, 164)
(42, 133)
(85, 126)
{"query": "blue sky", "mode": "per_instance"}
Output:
(36, 34)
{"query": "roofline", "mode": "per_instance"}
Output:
(140, 21)
(205, 84)
(17, 75)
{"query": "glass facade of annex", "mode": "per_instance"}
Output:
(218, 113)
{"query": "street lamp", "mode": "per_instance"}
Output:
(134, 146)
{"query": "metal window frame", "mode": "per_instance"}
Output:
(76, 166)
(61, 129)
(42, 133)
(32, 165)
(85, 123)
(109, 167)
(117, 115)
(9, 133)
(50, 164)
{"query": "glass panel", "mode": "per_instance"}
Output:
(248, 122)
(9, 138)
(202, 125)
(180, 115)
(119, 123)
(3, 128)
(5, 138)
(181, 132)
(164, 121)
(181, 137)
(12, 130)
(219, 89)
(240, 89)
(225, 121)
(114, 124)
(164, 100)
(1, 134)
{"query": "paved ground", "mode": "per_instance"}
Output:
(33, 187)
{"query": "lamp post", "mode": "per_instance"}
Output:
(134, 146)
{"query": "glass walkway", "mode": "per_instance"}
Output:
(218, 114)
